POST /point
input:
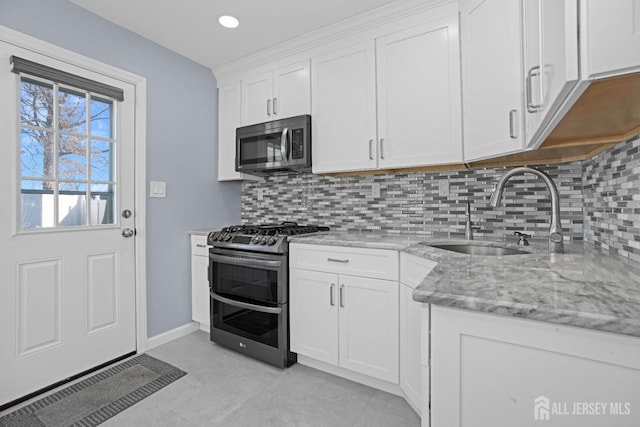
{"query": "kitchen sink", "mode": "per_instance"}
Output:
(478, 248)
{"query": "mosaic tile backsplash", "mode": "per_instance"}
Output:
(597, 201)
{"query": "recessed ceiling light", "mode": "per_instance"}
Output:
(228, 21)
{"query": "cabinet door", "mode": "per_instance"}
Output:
(419, 103)
(551, 62)
(410, 347)
(257, 99)
(313, 307)
(489, 370)
(368, 319)
(228, 121)
(612, 36)
(292, 90)
(491, 73)
(344, 110)
(200, 289)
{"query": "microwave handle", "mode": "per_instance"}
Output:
(283, 143)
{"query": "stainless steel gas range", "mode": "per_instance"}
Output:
(249, 287)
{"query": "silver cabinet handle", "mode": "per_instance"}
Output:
(513, 124)
(382, 148)
(344, 261)
(371, 149)
(275, 106)
(331, 298)
(533, 72)
(268, 107)
(283, 143)
(341, 295)
(199, 245)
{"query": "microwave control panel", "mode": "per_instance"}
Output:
(297, 143)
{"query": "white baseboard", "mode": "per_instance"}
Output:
(171, 335)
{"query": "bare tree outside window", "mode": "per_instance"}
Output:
(66, 156)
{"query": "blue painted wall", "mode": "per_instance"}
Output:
(181, 141)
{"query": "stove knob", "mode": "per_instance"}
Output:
(271, 241)
(226, 237)
(263, 240)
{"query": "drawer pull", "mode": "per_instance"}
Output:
(344, 261)
(201, 245)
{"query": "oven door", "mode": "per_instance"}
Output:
(254, 322)
(261, 278)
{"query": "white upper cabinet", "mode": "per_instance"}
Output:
(491, 77)
(343, 113)
(611, 34)
(228, 121)
(419, 102)
(551, 62)
(271, 95)
(389, 103)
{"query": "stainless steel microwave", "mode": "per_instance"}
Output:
(279, 145)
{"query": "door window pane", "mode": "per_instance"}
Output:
(101, 206)
(101, 112)
(36, 103)
(36, 153)
(101, 161)
(72, 204)
(37, 205)
(72, 158)
(72, 111)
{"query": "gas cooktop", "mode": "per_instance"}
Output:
(262, 237)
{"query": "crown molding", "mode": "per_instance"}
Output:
(343, 29)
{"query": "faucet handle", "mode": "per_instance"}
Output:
(522, 238)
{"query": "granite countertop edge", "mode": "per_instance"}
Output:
(585, 287)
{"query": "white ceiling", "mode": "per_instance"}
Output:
(190, 27)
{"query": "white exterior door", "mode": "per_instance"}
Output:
(67, 298)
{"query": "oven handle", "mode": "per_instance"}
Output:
(248, 262)
(254, 307)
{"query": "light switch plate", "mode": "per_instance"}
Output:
(157, 189)
(375, 190)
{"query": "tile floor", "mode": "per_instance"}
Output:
(223, 388)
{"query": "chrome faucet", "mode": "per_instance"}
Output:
(556, 243)
(468, 226)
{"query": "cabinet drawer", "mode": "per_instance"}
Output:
(199, 245)
(414, 268)
(374, 263)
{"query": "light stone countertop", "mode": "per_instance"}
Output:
(584, 287)
(203, 232)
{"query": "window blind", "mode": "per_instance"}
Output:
(21, 65)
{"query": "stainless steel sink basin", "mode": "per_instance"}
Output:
(477, 249)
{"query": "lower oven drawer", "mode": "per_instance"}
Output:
(255, 322)
(363, 262)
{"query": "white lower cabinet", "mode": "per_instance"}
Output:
(343, 320)
(200, 281)
(414, 334)
(489, 370)
(348, 321)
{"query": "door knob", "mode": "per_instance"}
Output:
(126, 213)
(128, 232)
